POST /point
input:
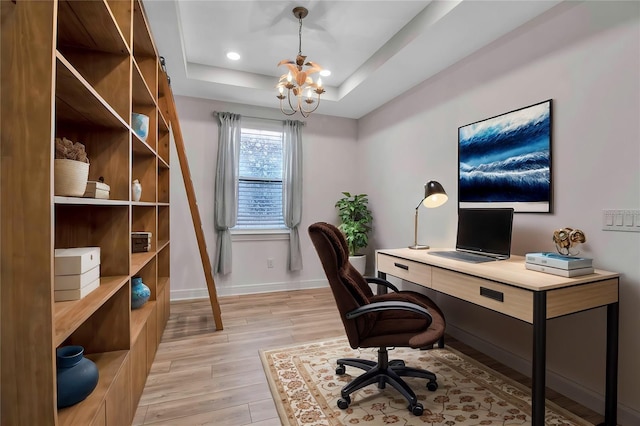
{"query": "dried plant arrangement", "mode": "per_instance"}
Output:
(68, 150)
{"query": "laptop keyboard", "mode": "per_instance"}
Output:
(465, 257)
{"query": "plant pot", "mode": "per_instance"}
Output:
(70, 177)
(359, 262)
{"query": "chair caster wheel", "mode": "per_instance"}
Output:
(432, 386)
(417, 409)
(340, 370)
(343, 403)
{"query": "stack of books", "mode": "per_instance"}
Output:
(557, 264)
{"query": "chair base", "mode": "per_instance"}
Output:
(381, 373)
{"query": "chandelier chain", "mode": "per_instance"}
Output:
(300, 37)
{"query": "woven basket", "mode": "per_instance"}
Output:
(70, 177)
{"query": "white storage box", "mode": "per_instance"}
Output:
(77, 260)
(76, 281)
(79, 293)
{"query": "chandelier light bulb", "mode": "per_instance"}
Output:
(319, 82)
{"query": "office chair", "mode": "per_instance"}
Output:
(397, 319)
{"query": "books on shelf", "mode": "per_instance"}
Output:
(555, 260)
(575, 272)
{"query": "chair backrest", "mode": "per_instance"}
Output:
(349, 288)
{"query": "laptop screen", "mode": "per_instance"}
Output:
(484, 230)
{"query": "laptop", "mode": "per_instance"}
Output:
(484, 235)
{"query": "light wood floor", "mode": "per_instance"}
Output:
(203, 376)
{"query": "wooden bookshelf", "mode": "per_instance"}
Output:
(79, 69)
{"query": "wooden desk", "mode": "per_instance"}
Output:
(507, 287)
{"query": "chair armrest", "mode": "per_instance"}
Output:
(389, 305)
(380, 281)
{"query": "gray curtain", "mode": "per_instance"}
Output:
(226, 187)
(292, 188)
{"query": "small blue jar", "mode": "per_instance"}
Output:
(140, 293)
(76, 376)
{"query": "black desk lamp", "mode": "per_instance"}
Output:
(434, 196)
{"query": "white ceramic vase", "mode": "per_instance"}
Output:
(136, 190)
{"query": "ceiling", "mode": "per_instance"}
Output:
(376, 50)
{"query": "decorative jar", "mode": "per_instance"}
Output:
(76, 376)
(136, 190)
(140, 293)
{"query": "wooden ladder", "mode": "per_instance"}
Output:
(191, 195)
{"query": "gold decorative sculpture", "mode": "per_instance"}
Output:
(568, 238)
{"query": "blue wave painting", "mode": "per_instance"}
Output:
(507, 159)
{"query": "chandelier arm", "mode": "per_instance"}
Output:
(309, 111)
(285, 112)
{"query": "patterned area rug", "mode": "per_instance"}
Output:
(306, 389)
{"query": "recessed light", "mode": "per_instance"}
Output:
(234, 56)
(325, 73)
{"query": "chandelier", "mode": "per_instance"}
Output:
(298, 85)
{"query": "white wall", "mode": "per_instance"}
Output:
(329, 153)
(586, 57)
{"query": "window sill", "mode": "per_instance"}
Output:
(259, 234)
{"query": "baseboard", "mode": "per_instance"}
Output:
(557, 382)
(202, 293)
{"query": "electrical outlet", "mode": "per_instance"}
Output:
(621, 220)
(270, 262)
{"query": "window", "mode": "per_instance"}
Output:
(260, 176)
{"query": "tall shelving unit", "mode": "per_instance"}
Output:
(79, 69)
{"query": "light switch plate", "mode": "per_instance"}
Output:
(626, 220)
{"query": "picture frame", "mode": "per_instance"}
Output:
(505, 160)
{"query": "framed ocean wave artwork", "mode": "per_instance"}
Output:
(505, 161)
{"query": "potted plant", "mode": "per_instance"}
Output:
(355, 224)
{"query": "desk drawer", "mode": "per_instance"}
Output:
(408, 270)
(515, 302)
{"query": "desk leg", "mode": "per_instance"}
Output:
(539, 357)
(380, 288)
(611, 387)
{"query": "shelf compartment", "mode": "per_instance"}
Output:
(144, 220)
(163, 101)
(144, 169)
(139, 318)
(144, 51)
(111, 366)
(78, 102)
(148, 275)
(107, 73)
(91, 25)
(163, 184)
(163, 226)
(107, 329)
(101, 226)
(164, 140)
(121, 11)
(108, 153)
(70, 315)
(139, 260)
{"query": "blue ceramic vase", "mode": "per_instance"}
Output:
(76, 376)
(140, 293)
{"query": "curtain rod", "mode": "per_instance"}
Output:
(304, 123)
